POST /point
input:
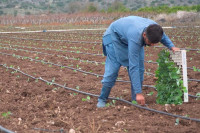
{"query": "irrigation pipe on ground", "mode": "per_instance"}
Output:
(5, 130)
(98, 75)
(83, 42)
(122, 100)
(68, 51)
(150, 86)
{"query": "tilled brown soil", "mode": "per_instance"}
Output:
(36, 105)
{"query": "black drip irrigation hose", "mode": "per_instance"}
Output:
(96, 62)
(45, 40)
(2, 129)
(82, 42)
(98, 75)
(78, 52)
(42, 61)
(194, 80)
(150, 86)
(70, 52)
(93, 35)
(71, 58)
(54, 54)
(112, 98)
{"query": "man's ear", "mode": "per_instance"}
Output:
(144, 34)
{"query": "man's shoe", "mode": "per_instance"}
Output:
(101, 104)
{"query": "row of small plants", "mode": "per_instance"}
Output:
(164, 65)
(196, 69)
(86, 99)
(60, 46)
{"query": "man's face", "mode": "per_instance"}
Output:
(146, 40)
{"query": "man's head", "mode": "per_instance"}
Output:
(153, 34)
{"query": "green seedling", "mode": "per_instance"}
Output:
(196, 69)
(18, 57)
(86, 99)
(13, 72)
(198, 95)
(107, 104)
(177, 121)
(73, 94)
(52, 81)
(25, 57)
(77, 87)
(150, 93)
(55, 89)
(111, 103)
(77, 66)
(134, 102)
(62, 67)
(36, 80)
(186, 115)
(6, 115)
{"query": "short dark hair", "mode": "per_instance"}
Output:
(154, 33)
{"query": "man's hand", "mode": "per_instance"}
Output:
(140, 99)
(175, 49)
